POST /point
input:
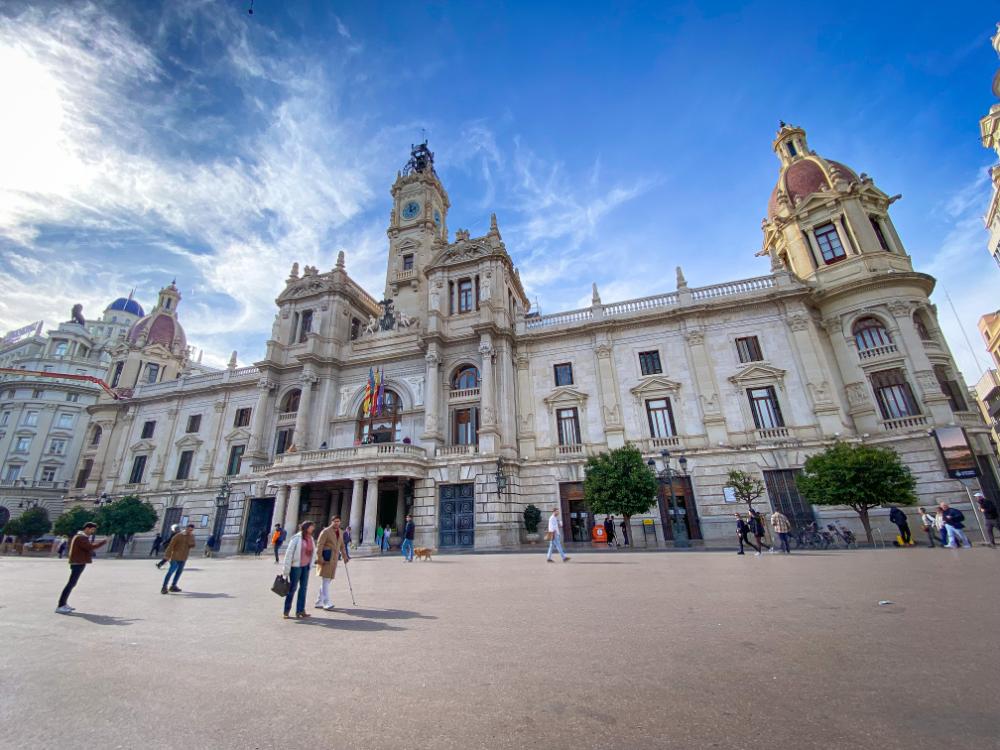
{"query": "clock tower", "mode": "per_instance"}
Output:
(417, 231)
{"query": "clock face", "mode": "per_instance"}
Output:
(411, 209)
(437, 218)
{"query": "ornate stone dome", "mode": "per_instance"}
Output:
(161, 325)
(803, 172)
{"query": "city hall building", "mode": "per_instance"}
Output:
(487, 407)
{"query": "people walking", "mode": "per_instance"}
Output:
(386, 534)
(898, 517)
(157, 543)
(166, 543)
(554, 535)
(81, 554)
(609, 531)
(298, 560)
(277, 539)
(756, 524)
(927, 520)
(329, 546)
(939, 526)
(62, 548)
(989, 510)
(742, 532)
(261, 544)
(624, 527)
(407, 546)
(347, 537)
(210, 546)
(378, 539)
(177, 553)
(781, 526)
(954, 522)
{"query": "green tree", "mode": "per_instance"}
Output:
(619, 482)
(532, 517)
(32, 524)
(13, 528)
(70, 522)
(746, 487)
(126, 517)
(861, 477)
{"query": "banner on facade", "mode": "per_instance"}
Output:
(12, 337)
(959, 460)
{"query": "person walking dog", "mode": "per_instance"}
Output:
(407, 546)
(329, 546)
(177, 553)
(298, 560)
(81, 554)
(554, 535)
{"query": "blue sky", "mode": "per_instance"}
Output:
(142, 142)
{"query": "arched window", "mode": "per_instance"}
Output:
(290, 404)
(921, 325)
(96, 437)
(383, 427)
(466, 376)
(870, 333)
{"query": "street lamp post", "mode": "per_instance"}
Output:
(501, 478)
(667, 474)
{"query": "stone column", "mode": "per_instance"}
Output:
(301, 437)
(611, 411)
(371, 512)
(400, 507)
(258, 445)
(525, 416)
(488, 431)
(505, 382)
(703, 375)
(818, 375)
(280, 501)
(357, 505)
(432, 388)
(292, 511)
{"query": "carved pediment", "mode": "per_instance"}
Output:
(189, 441)
(655, 386)
(143, 446)
(238, 435)
(565, 396)
(758, 374)
(305, 287)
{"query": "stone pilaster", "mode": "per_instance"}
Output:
(488, 432)
(611, 410)
(432, 392)
(301, 437)
(708, 390)
(936, 403)
(371, 513)
(280, 502)
(292, 511)
(357, 509)
(525, 416)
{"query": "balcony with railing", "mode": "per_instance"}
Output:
(36, 484)
(406, 275)
(287, 418)
(356, 454)
(904, 423)
(876, 352)
(658, 443)
(464, 394)
(457, 450)
(773, 433)
(571, 450)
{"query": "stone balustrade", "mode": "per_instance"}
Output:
(904, 423)
(464, 393)
(877, 351)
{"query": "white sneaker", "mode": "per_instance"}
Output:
(64, 610)
(757, 553)
(329, 607)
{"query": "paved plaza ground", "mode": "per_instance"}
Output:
(627, 650)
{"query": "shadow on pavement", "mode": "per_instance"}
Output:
(358, 625)
(578, 561)
(205, 595)
(104, 619)
(384, 614)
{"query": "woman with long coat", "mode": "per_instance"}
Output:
(329, 545)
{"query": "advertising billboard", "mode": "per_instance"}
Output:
(959, 460)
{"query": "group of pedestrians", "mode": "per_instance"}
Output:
(303, 551)
(947, 524)
(609, 532)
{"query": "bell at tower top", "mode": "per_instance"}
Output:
(421, 160)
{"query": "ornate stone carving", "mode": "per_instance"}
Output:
(857, 395)
(263, 384)
(487, 350)
(522, 361)
(307, 379)
(820, 393)
(416, 383)
(432, 359)
(899, 309)
(612, 416)
(833, 325)
(798, 321)
(695, 337)
(603, 350)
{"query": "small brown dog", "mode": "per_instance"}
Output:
(424, 553)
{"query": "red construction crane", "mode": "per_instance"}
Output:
(63, 376)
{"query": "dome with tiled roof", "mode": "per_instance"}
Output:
(127, 304)
(803, 172)
(161, 325)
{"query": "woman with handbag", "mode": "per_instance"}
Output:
(298, 560)
(329, 545)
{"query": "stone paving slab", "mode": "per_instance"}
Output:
(613, 650)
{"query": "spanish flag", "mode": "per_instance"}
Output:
(377, 405)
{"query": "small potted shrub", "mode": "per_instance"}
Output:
(532, 517)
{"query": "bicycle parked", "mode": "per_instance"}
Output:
(844, 535)
(809, 536)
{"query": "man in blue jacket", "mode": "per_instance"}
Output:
(953, 524)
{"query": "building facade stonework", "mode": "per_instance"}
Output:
(490, 407)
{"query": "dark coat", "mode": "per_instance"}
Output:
(954, 517)
(897, 516)
(408, 531)
(756, 526)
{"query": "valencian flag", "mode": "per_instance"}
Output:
(366, 405)
(379, 392)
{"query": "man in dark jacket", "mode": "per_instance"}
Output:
(624, 527)
(408, 539)
(757, 529)
(898, 517)
(742, 530)
(609, 531)
(990, 515)
(954, 523)
(157, 542)
(81, 554)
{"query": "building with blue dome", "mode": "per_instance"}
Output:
(126, 304)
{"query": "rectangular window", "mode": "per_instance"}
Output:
(235, 457)
(569, 426)
(748, 349)
(765, 409)
(138, 468)
(38, 393)
(31, 419)
(466, 300)
(408, 262)
(65, 421)
(649, 363)
(57, 446)
(451, 297)
(60, 349)
(893, 394)
(829, 243)
(194, 423)
(355, 328)
(118, 374)
(950, 388)
(13, 472)
(23, 445)
(147, 430)
(564, 374)
(284, 441)
(48, 474)
(661, 418)
(877, 227)
(184, 465)
(152, 372)
(306, 327)
(465, 429)
(73, 397)
(84, 475)
(242, 417)
(4, 418)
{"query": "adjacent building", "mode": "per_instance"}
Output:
(485, 406)
(989, 127)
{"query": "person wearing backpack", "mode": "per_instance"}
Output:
(953, 524)
(898, 517)
(277, 539)
(81, 554)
